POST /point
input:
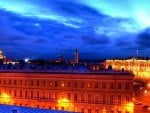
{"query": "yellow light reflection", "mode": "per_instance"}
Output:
(130, 107)
(66, 104)
(5, 99)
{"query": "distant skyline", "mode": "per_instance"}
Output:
(97, 28)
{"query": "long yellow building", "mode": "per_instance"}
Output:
(141, 68)
(102, 92)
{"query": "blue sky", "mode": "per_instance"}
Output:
(97, 28)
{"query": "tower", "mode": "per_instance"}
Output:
(76, 60)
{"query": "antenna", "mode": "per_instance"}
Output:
(137, 53)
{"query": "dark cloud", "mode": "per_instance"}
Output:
(143, 39)
(96, 40)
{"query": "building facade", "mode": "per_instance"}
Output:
(110, 92)
(141, 68)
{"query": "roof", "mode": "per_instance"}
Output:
(17, 109)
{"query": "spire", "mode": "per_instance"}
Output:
(76, 57)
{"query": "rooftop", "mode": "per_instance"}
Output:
(17, 109)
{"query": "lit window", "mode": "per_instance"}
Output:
(89, 85)
(50, 83)
(62, 83)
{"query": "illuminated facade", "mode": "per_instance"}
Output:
(81, 92)
(141, 68)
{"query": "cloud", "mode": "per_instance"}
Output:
(143, 38)
(96, 40)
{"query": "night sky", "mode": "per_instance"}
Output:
(97, 28)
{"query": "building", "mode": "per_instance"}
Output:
(76, 60)
(140, 67)
(99, 92)
(2, 57)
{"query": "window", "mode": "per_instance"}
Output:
(69, 96)
(62, 83)
(44, 83)
(119, 99)
(75, 97)
(44, 95)
(56, 84)
(50, 83)
(26, 94)
(68, 85)
(4, 81)
(15, 93)
(127, 99)
(89, 85)
(37, 83)
(119, 85)
(20, 93)
(89, 111)
(20, 82)
(37, 95)
(49, 95)
(96, 85)
(82, 110)
(96, 98)
(104, 99)
(82, 98)
(75, 84)
(96, 111)
(31, 83)
(111, 85)
(9, 82)
(103, 85)
(31, 94)
(127, 85)
(111, 99)
(82, 84)
(89, 98)
(26, 82)
(56, 96)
